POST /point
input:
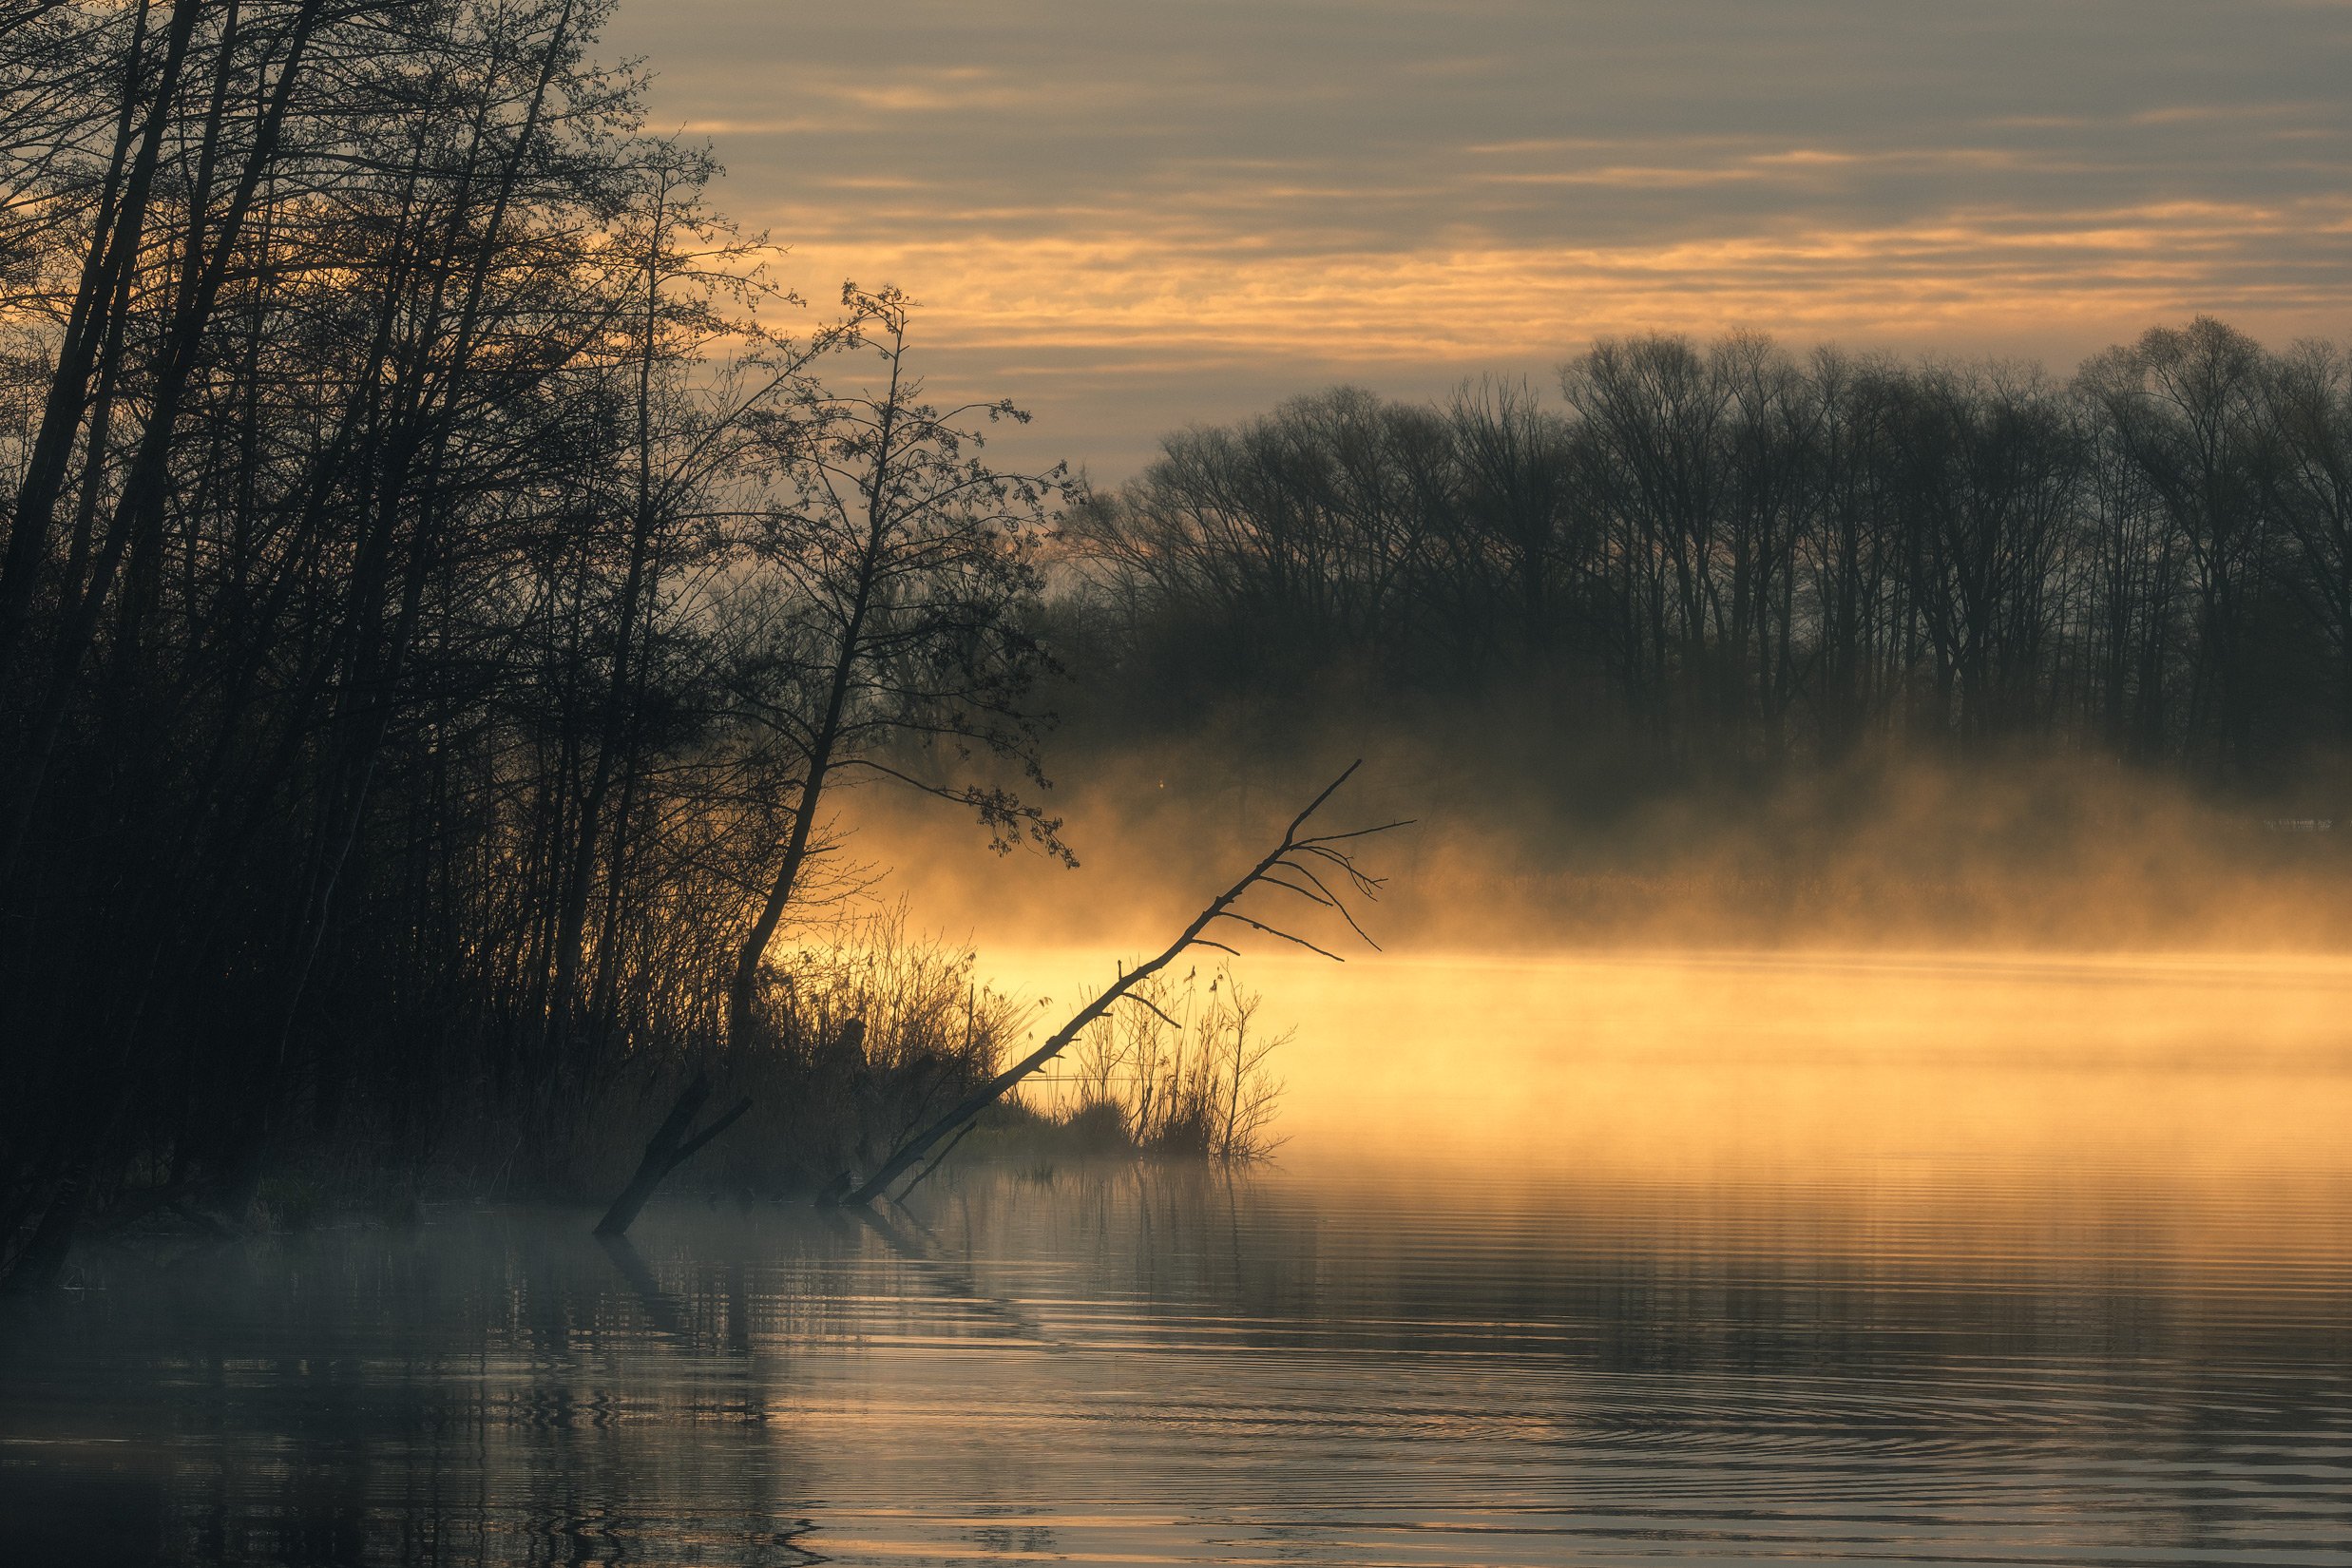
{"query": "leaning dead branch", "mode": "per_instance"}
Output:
(671, 1146)
(1318, 868)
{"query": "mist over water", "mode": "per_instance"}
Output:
(1518, 840)
(1607, 1258)
(1996, 1209)
(1923, 1073)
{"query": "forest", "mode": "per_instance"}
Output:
(436, 602)
(1731, 559)
(449, 587)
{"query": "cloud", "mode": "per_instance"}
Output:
(1406, 188)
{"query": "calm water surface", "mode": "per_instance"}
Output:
(1988, 1263)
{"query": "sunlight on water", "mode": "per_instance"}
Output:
(1676, 1065)
(1623, 1260)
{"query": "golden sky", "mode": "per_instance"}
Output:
(1130, 216)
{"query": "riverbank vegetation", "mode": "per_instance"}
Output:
(447, 589)
(440, 599)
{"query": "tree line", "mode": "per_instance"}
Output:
(437, 601)
(1734, 557)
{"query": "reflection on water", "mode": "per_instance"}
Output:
(1874, 1294)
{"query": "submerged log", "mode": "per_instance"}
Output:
(670, 1147)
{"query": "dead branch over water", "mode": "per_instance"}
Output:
(1319, 869)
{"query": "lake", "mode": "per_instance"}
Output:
(1613, 1260)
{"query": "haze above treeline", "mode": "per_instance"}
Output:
(452, 602)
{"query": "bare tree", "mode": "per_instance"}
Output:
(2308, 405)
(1244, 1092)
(892, 644)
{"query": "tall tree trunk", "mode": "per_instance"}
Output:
(742, 990)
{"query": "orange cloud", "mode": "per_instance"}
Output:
(1129, 281)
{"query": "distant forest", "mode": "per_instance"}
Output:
(1733, 558)
(440, 605)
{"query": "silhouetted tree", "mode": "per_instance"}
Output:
(429, 582)
(891, 641)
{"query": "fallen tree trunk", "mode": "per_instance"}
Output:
(1308, 859)
(670, 1147)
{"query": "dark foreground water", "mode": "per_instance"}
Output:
(1983, 1350)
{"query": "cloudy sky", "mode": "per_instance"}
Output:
(1134, 214)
